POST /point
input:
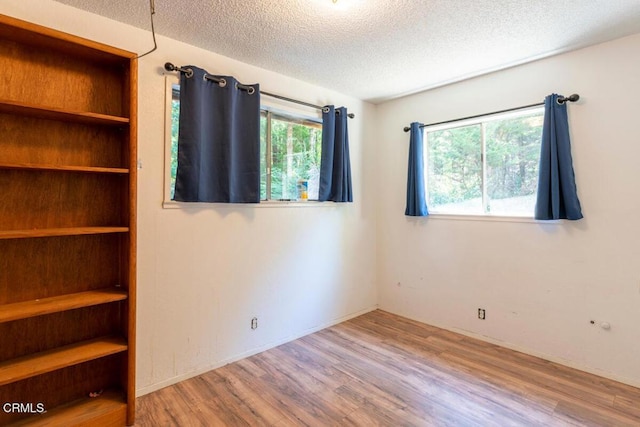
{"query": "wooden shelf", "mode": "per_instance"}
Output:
(106, 410)
(55, 232)
(51, 113)
(39, 307)
(51, 360)
(89, 169)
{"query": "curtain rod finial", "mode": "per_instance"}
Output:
(571, 98)
(169, 66)
(407, 128)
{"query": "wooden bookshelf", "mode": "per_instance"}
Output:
(68, 166)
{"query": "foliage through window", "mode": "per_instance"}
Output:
(290, 150)
(486, 166)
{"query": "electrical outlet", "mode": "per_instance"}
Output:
(254, 323)
(481, 313)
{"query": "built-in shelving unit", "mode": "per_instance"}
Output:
(67, 228)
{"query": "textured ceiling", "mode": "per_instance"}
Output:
(381, 49)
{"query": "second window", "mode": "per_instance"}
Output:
(488, 166)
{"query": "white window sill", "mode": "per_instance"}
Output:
(262, 204)
(491, 218)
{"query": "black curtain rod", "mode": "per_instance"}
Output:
(170, 67)
(561, 100)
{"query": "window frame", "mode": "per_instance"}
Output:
(273, 108)
(481, 121)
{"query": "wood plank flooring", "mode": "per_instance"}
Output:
(384, 370)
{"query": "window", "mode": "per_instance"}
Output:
(290, 150)
(488, 166)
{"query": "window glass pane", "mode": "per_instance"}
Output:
(175, 121)
(454, 170)
(513, 153)
(263, 155)
(295, 155)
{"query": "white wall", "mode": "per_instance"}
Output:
(541, 284)
(204, 273)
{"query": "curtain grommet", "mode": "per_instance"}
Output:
(188, 73)
(220, 81)
(250, 90)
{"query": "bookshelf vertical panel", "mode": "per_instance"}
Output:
(129, 256)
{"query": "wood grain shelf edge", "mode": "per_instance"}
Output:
(53, 113)
(106, 410)
(63, 168)
(57, 232)
(51, 360)
(40, 307)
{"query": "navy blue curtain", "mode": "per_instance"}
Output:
(335, 164)
(416, 201)
(219, 140)
(557, 195)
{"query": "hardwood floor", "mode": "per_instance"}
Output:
(384, 370)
